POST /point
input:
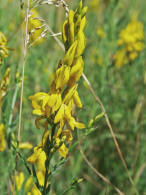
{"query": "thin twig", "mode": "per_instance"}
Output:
(110, 128)
(21, 95)
(23, 71)
(96, 171)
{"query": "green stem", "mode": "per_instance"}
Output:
(46, 188)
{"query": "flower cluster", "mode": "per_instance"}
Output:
(3, 47)
(56, 106)
(34, 28)
(130, 39)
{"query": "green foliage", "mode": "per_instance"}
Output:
(122, 92)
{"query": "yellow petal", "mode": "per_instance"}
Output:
(37, 98)
(71, 26)
(60, 114)
(83, 23)
(25, 145)
(19, 180)
(52, 100)
(38, 112)
(67, 113)
(84, 11)
(58, 103)
(79, 125)
(76, 71)
(70, 92)
(77, 100)
(71, 123)
(32, 159)
(38, 157)
(81, 44)
(45, 137)
(62, 76)
(55, 102)
(69, 56)
(65, 31)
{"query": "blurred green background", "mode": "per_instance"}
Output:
(122, 91)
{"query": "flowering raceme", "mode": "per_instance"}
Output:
(55, 108)
(3, 47)
(130, 39)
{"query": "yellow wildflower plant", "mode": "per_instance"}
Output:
(2, 138)
(56, 106)
(35, 28)
(130, 39)
(3, 47)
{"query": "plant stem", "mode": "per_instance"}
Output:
(46, 188)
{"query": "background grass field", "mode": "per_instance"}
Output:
(122, 91)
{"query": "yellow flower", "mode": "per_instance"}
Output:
(19, 181)
(64, 114)
(25, 145)
(3, 47)
(77, 100)
(63, 150)
(2, 138)
(38, 157)
(62, 77)
(35, 28)
(39, 101)
(130, 39)
(45, 104)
